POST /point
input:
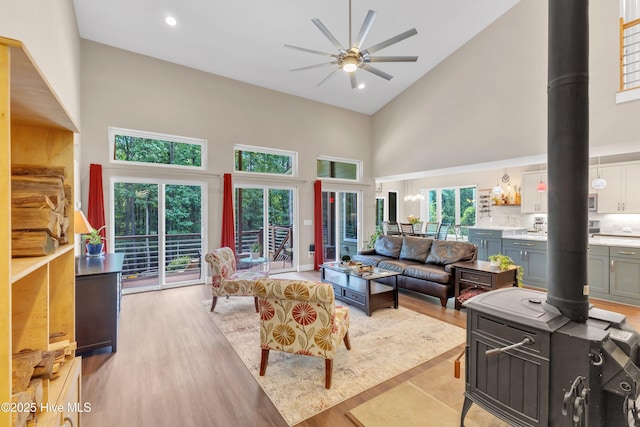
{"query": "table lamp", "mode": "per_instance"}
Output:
(81, 226)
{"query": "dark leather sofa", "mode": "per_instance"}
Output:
(425, 263)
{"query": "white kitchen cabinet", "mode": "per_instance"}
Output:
(620, 195)
(533, 201)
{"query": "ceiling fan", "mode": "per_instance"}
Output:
(354, 57)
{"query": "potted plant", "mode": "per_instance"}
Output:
(346, 259)
(372, 239)
(504, 262)
(256, 251)
(94, 241)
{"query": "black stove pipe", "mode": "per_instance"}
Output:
(568, 157)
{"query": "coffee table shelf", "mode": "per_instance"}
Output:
(362, 289)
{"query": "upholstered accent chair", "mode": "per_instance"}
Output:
(300, 317)
(226, 280)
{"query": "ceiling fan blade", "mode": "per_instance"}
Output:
(390, 59)
(315, 66)
(327, 33)
(364, 30)
(317, 52)
(376, 71)
(392, 40)
(354, 81)
(327, 78)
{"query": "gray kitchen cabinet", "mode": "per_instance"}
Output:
(489, 242)
(532, 256)
(624, 274)
(598, 271)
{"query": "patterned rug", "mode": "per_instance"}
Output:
(384, 345)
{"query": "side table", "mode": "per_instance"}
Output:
(481, 275)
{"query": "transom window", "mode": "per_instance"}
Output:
(339, 169)
(265, 160)
(155, 149)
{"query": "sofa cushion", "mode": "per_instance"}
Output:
(388, 246)
(367, 259)
(396, 265)
(430, 272)
(415, 248)
(444, 252)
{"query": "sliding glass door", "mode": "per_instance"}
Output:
(340, 219)
(265, 217)
(158, 226)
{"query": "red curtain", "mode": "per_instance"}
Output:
(228, 227)
(318, 257)
(95, 210)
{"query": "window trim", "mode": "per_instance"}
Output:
(357, 163)
(265, 150)
(113, 131)
(457, 206)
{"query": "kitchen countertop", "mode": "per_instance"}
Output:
(631, 241)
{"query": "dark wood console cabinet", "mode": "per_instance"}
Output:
(98, 293)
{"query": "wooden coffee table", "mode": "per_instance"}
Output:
(362, 289)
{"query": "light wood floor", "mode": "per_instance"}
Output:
(174, 367)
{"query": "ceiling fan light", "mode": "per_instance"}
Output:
(350, 65)
(599, 183)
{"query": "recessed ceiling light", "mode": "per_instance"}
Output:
(361, 86)
(170, 20)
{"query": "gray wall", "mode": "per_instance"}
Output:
(488, 100)
(128, 90)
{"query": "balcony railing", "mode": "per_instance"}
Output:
(183, 253)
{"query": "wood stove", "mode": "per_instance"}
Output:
(550, 359)
(529, 365)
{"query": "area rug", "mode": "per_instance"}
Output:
(432, 398)
(384, 345)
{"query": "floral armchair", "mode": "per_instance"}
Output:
(300, 317)
(226, 280)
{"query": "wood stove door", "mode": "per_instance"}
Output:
(512, 385)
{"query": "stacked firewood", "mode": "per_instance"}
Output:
(40, 197)
(29, 369)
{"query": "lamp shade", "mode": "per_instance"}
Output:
(80, 223)
(497, 189)
(542, 186)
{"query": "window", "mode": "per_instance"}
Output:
(629, 50)
(350, 216)
(454, 206)
(265, 160)
(379, 213)
(339, 169)
(154, 149)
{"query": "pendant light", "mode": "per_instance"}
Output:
(599, 183)
(541, 185)
(497, 190)
(413, 197)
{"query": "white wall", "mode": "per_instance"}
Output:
(48, 30)
(128, 90)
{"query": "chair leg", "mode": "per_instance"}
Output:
(347, 343)
(255, 302)
(263, 361)
(443, 302)
(328, 372)
(213, 303)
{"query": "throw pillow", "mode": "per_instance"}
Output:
(415, 248)
(388, 246)
(444, 252)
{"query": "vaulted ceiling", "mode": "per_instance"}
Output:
(243, 39)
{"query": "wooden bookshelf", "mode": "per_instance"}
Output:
(39, 296)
